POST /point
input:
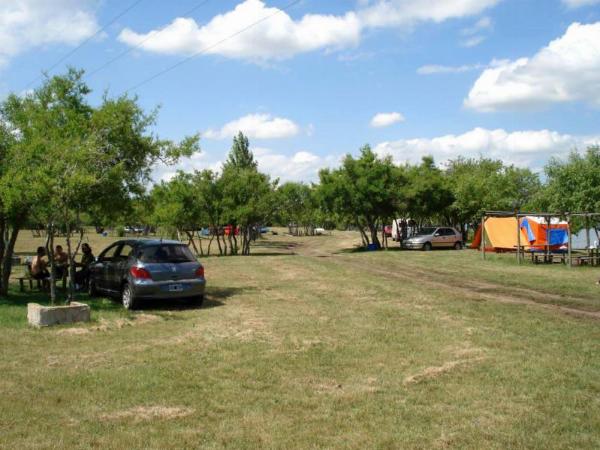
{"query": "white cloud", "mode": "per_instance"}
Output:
(472, 41)
(300, 166)
(256, 126)
(385, 13)
(282, 37)
(26, 24)
(386, 119)
(473, 35)
(524, 148)
(277, 38)
(432, 69)
(566, 70)
(485, 23)
(580, 3)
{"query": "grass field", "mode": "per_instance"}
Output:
(314, 345)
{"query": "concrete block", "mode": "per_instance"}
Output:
(44, 316)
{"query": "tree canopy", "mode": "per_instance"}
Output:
(66, 157)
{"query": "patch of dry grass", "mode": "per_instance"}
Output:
(353, 350)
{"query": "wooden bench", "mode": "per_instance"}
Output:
(583, 260)
(28, 277)
(43, 284)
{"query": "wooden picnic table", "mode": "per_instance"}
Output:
(592, 258)
(543, 254)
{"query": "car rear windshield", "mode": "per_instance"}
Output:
(165, 254)
(425, 231)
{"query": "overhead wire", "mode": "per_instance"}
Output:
(97, 33)
(210, 47)
(139, 44)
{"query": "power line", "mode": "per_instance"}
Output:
(139, 44)
(97, 33)
(210, 47)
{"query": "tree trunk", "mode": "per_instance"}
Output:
(235, 243)
(373, 230)
(231, 252)
(2, 246)
(50, 252)
(7, 258)
(200, 245)
(363, 235)
(247, 244)
(191, 241)
(71, 272)
(210, 241)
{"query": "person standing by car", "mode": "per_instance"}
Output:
(87, 258)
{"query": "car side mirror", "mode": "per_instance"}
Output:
(437, 235)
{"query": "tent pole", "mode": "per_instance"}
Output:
(570, 241)
(548, 221)
(587, 234)
(483, 237)
(518, 238)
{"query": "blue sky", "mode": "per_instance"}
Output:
(512, 79)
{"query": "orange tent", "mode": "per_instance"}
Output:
(500, 235)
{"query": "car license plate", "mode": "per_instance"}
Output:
(175, 287)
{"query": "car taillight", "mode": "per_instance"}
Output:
(200, 272)
(140, 273)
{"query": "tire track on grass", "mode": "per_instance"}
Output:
(474, 291)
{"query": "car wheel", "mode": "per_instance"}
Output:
(129, 301)
(92, 291)
(198, 301)
(458, 246)
(427, 246)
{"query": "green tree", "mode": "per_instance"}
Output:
(240, 156)
(176, 207)
(298, 208)
(71, 159)
(248, 202)
(573, 185)
(209, 195)
(484, 184)
(428, 195)
(365, 191)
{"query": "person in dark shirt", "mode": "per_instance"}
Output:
(87, 258)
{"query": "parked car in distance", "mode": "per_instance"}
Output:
(434, 237)
(145, 269)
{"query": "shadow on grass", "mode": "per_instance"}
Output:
(275, 245)
(215, 297)
(389, 249)
(20, 299)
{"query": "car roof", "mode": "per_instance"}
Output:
(149, 242)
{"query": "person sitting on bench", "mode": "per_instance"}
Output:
(39, 266)
(61, 262)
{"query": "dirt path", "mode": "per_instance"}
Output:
(475, 290)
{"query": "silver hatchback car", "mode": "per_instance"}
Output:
(434, 237)
(144, 269)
